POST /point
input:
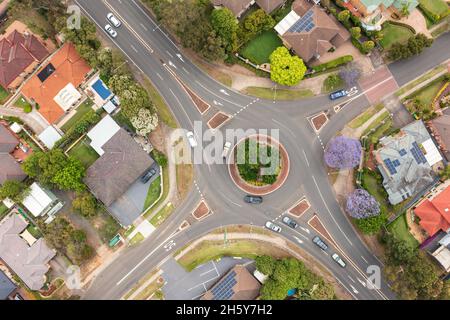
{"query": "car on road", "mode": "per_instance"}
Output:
(338, 94)
(147, 176)
(289, 222)
(338, 260)
(273, 227)
(320, 243)
(226, 149)
(111, 31)
(191, 139)
(253, 199)
(111, 18)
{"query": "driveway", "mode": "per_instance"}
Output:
(130, 205)
(183, 285)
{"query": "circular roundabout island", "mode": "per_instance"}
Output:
(259, 165)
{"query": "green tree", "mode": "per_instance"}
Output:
(12, 189)
(160, 158)
(368, 45)
(286, 69)
(344, 16)
(225, 24)
(70, 177)
(372, 225)
(356, 32)
(253, 24)
(85, 204)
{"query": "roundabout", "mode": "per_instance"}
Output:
(252, 171)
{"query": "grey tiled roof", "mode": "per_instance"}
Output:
(7, 287)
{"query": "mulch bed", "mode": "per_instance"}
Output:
(201, 105)
(300, 208)
(319, 121)
(201, 211)
(218, 120)
(315, 223)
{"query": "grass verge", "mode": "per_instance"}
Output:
(166, 186)
(279, 94)
(365, 116)
(423, 78)
(154, 190)
(163, 110)
(162, 215)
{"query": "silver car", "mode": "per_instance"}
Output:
(338, 260)
(111, 31)
(191, 138)
(111, 18)
(273, 227)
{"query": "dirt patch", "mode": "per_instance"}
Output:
(218, 120)
(299, 209)
(158, 136)
(185, 176)
(315, 223)
(319, 121)
(202, 211)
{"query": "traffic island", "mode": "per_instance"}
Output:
(300, 208)
(319, 121)
(202, 211)
(218, 120)
(248, 176)
(317, 225)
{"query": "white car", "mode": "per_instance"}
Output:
(273, 227)
(111, 31)
(226, 149)
(191, 139)
(116, 22)
(338, 260)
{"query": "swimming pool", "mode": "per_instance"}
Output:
(101, 89)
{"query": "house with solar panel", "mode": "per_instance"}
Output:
(406, 162)
(237, 284)
(310, 32)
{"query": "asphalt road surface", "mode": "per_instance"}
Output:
(149, 48)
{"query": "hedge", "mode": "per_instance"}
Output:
(401, 24)
(333, 63)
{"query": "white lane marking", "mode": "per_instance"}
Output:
(224, 92)
(329, 211)
(364, 259)
(169, 54)
(184, 69)
(134, 48)
(180, 57)
(181, 106)
(363, 283)
(283, 126)
(354, 289)
(142, 25)
(159, 76)
(206, 272)
(345, 287)
(172, 64)
(306, 158)
(216, 95)
(298, 240)
(351, 279)
(306, 230)
(324, 252)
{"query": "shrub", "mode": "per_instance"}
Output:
(160, 158)
(343, 153)
(333, 63)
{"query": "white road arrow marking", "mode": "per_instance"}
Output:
(362, 282)
(172, 65)
(180, 57)
(298, 240)
(354, 289)
(306, 230)
(217, 103)
(224, 92)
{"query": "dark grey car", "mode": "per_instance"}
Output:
(320, 243)
(146, 177)
(253, 199)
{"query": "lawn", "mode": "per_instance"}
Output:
(3, 210)
(259, 49)
(154, 192)
(371, 184)
(138, 238)
(394, 34)
(437, 7)
(213, 250)
(279, 94)
(34, 231)
(427, 94)
(4, 95)
(162, 215)
(381, 131)
(23, 104)
(365, 116)
(377, 122)
(166, 186)
(82, 109)
(400, 229)
(85, 153)
(123, 121)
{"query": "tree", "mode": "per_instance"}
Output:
(368, 46)
(71, 176)
(356, 32)
(85, 204)
(343, 153)
(344, 16)
(361, 205)
(225, 24)
(350, 74)
(286, 69)
(445, 174)
(373, 224)
(12, 189)
(145, 122)
(253, 24)
(414, 46)
(322, 291)
(398, 252)
(160, 158)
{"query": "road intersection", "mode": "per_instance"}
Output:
(150, 49)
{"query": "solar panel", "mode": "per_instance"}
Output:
(396, 163)
(390, 166)
(402, 152)
(305, 23)
(223, 291)
(418, 154)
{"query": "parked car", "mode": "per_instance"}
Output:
(338, 260)
(226, 149)
(111, 31)
(146, 177)
(273, 227)
(320, 243)
(338, 94)
(253, 199)
(289, 222)
(116, 22)
(191, 139)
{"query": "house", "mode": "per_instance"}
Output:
(237, 284)
(7, 287)
(41, 202)
(9, 167)
(20, 54)
(54, 87)
(310, 32)
(122, 162)
(371, 12)
(270, 6)
(405, 161)
(28, 261)
(434, 211)
(237, 7)
(438, 247)
(440, 130)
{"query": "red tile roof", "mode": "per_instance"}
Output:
(69, 68)
(17, 52)
(435, 214)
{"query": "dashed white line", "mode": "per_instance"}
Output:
(364, 259)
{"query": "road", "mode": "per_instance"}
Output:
(148, 47)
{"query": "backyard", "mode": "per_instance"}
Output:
(84, 152)
(400, 229)
(82, 109)
(260, 48)
(371, 181)
(394, 34)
